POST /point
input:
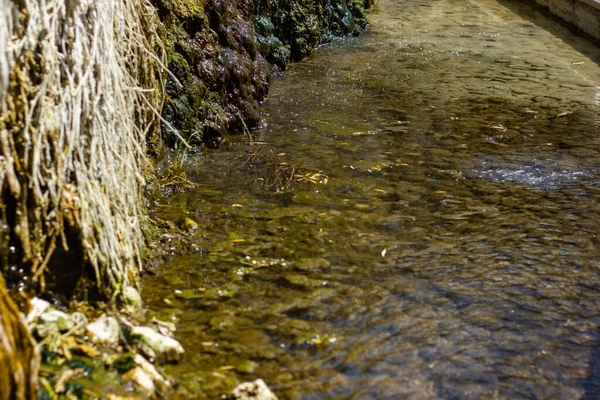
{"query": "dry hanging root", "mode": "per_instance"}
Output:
(78, 79)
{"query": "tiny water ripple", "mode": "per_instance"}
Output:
(534, 173)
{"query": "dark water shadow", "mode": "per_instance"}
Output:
(568, 33)
(591, 384)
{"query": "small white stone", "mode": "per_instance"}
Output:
(79, 318)
(138, 376)
(38, 307)
(132, 297)
(256, 390)
(151, 371)
(104, 330)
(156, 346)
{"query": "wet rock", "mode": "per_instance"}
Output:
(274, 50)
(155, 345)
(263, 25)
(132, 297)
(79, 318)
(105, 330)
(305, 282)
(256, 390)
(310, 264)
(53, 321)
(160, 382)
(37, 308)
(246, 366)
(141, 378)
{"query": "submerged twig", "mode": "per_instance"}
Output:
(276, 174)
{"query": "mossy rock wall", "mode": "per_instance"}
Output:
(223, 53)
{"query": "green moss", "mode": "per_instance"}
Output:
(181, 10)
(187, 9)
(263, 25)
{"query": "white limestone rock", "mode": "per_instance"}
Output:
(256, 390)
(37, 308)
(53, 321)
(132, 297)
(138, 376)
(160, 381)
(155, 345)
(105, 330)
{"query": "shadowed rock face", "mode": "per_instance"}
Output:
(223, 54)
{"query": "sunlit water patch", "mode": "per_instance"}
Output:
(534, 173)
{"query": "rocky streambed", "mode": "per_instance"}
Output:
(221, 57)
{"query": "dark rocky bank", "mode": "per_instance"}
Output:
(223, 54)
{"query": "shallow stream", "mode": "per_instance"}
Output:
(419, 218)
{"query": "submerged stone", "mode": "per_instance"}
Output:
(189, 225)
(188, 294)
(303, 281)
(155, 345)
(246, 366)
(256, 390)
(308, 264)
(226, 291)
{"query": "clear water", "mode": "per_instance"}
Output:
(449, 246)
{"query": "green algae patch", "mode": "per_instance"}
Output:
(304, 282)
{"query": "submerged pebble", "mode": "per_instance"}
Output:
(256, 390)
(305, 282)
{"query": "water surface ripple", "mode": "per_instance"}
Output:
(449, 248)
